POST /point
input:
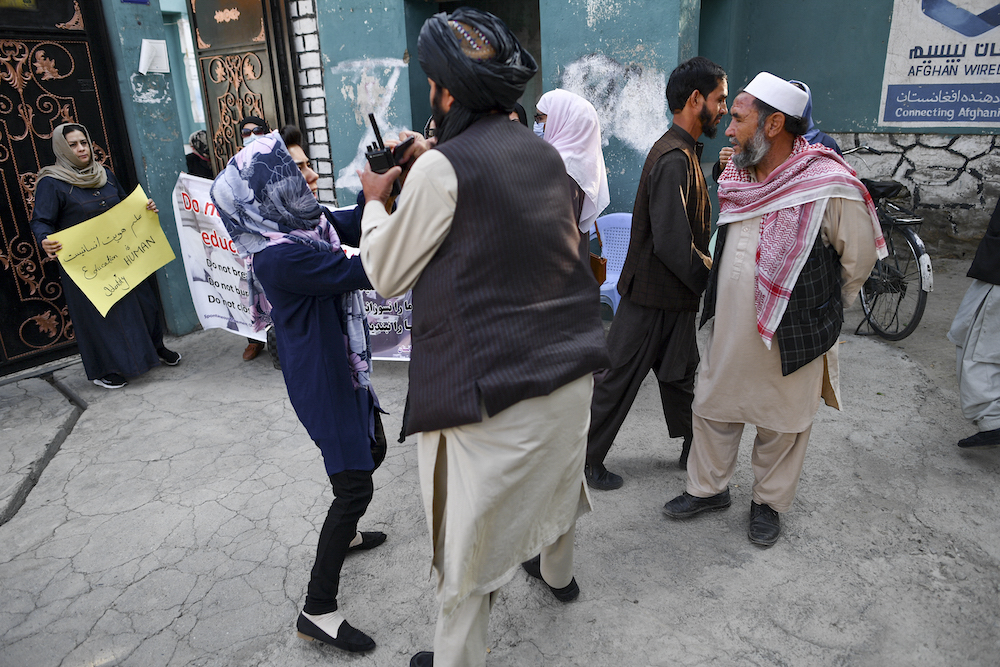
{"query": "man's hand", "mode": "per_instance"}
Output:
(378, 186)
(419, 147)
(724, 156)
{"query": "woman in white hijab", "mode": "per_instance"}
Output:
(571, 126)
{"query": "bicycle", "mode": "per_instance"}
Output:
(895, 294)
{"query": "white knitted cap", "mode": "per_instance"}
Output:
(780, 94)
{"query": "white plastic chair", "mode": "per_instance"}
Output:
(616, 230)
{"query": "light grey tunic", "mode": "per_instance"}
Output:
(497, 491)
(976, 333)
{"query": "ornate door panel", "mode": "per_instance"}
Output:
(50, 51)
(244, 66)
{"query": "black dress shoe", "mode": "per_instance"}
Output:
(765, 525)
(682, 462)
(567, 593)
(348, 638)
(423, 659)
(599, 477)
(982, 439)
(686, 506)
(368, 541)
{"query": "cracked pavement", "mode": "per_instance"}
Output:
(177, 519)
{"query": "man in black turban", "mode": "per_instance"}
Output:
(477, 59)
(506, 331)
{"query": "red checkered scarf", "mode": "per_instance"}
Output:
(792, 201)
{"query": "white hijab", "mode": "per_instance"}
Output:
(573, 129)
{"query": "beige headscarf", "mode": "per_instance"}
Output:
(68, 168)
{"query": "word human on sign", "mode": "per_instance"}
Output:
(108, 255)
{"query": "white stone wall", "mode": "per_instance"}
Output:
(308, 61)
(954, 181)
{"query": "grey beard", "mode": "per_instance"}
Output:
(753, 152)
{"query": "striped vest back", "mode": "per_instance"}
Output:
(506, 309)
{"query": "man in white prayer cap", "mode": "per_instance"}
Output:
(798, 236)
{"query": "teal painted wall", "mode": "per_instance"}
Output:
(151, 120)
(618, 54)
(420, 107)
(838, 48)
(521, 16)
(366, 69)
(182, 96)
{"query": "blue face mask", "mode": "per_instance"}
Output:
(249, 140)
(539, 129)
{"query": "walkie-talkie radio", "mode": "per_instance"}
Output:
(382, 159)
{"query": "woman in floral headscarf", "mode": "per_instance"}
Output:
(313, 296)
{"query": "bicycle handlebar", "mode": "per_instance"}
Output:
(865, 148)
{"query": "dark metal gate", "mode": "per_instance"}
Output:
(54, 68)
(245, 67)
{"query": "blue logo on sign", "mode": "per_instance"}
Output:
(961, 20)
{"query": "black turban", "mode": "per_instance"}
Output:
(478, 59)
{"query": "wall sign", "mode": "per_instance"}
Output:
(942, 65)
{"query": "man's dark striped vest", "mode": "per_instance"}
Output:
(815, 312)
(645, 280)
(506, 309)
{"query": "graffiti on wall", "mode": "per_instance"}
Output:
(601, 10)
(150, 88)
(630, 99)
(369, 86)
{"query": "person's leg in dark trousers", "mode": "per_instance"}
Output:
(677, 398)
(675, 375)
(634, 344)
(353, 491)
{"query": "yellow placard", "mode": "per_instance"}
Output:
(31, 5)
(109, 255)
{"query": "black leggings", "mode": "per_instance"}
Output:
(352, 490)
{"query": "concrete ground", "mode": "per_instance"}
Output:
(174, 522)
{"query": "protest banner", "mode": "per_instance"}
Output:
(941, 65)
(218, 281)
(215, 271)
(389, 322)
(112, 253)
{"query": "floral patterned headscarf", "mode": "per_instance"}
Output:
(263, 200)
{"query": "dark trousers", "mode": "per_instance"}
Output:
(643, 339)
(352, 490)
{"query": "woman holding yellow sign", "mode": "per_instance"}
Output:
(129, 340)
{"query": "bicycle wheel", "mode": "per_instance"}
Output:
(893, 297)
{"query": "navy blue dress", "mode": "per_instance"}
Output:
(125, 341)
(304, 286)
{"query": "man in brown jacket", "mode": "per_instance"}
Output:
(665, 272)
